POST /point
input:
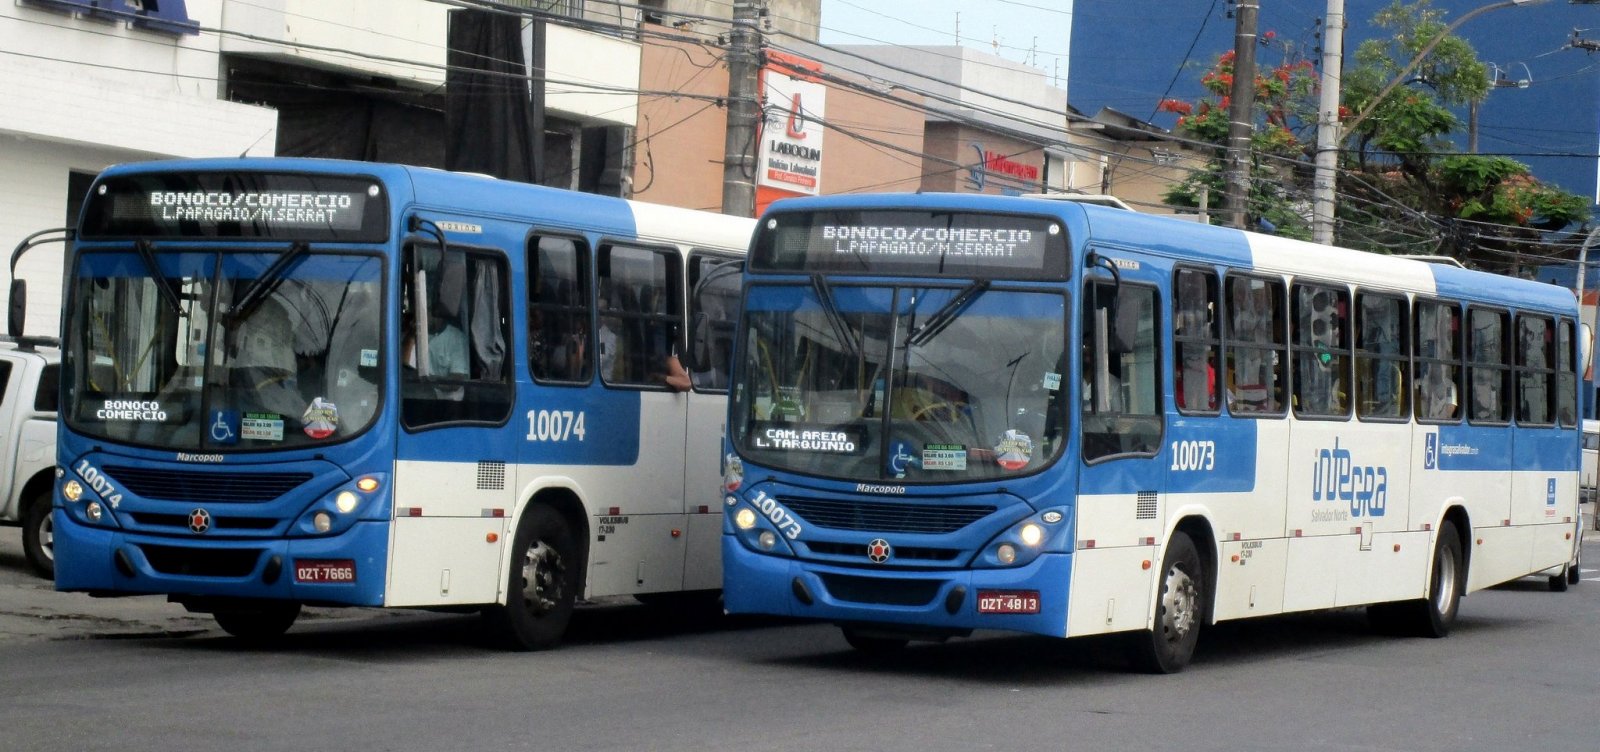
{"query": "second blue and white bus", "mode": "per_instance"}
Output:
(957, 413)
(297, 382)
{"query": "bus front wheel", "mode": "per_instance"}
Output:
(1180, 607)
(544, 568)
(259, 623)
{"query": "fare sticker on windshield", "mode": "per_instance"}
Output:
(944, 457)
(262, 427)
(798, 437)
(321, 419)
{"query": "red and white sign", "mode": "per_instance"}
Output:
(791, 139)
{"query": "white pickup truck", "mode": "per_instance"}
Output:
(30, 373)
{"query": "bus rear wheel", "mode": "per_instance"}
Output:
(258, 623)
(1431, 616)
(1168, 647)
(544, 568)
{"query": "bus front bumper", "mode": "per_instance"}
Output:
(106, 561)
(755, 583)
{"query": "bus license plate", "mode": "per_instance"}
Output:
(325, 570)
(1008, 602)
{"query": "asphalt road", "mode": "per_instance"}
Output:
(1521, 671)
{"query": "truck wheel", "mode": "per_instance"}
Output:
(265, 622)
(543, 583)
(38, 535)
(1180, 608)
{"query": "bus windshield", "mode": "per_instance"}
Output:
(217, 352)
(917, 384)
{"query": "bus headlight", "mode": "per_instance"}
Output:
(322, 521)
(1031, 534)
(745, 518)
(72, 489)
(1006, 553)
(93, 511)
(346, 502)
(767, 539)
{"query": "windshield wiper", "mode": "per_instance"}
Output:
(257, 291)
(163, 285)
(947, 313)
(841, 328)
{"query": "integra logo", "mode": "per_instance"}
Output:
(1336, 478)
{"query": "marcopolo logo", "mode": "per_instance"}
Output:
(1335, 477)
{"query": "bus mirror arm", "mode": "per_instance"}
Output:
(452, 267)
(1093, 260)
(17, 311)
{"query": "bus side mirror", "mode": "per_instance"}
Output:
(697, 357)
(18, 314)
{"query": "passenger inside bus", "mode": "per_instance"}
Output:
(263, 374)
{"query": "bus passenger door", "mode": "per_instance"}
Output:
(713, 314)
(637, 538)
(1119, 523)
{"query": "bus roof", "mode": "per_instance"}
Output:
(1210, 244)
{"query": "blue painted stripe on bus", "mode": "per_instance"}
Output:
(1218, 455)
(1464, 284)
(1498, 449)
(610, 432)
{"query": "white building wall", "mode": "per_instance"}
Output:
(82, 94)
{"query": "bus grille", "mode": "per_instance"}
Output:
(202, 562)
(181, 521)
(884, 517)
(183, 485)
(902, 554)
(873, 590)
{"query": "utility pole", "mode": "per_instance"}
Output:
(1241, 118)
(744, 111)
(1328, 133)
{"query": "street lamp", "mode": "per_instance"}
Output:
(1330, 131)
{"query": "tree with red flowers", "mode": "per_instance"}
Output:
(1285, 112)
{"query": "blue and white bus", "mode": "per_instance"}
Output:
(954, 413)
(301, 382)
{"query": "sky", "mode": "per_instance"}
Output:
(1131, 53)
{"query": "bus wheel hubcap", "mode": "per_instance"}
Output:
(1178, 604)
(541, 578)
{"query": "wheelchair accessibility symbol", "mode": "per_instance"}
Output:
(224, 427)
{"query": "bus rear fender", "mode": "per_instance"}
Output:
(1455, 510)
(560, 494)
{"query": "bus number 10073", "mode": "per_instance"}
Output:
(555, 425)
(1194, 455)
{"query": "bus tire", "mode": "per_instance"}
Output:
(1433, 615)
(1575, 572)
(38, 535)
(543, 583)
(258, 623)
(1180, 608)
(1558, 582)
(873, 645)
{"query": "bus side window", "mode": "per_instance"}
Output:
(713, 312)
(1322, 351)
(1438, 350)
(1196, 342)
(559, 346)
(1535, 370)
(1489, 366)
(467, 332)
(1566, 376)
(641, 317)
(1256, 346)
(1121, 410)
(1381, 357)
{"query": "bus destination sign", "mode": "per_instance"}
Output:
(238, 205)
(914, 243)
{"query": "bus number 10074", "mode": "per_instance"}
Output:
(555, 425)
